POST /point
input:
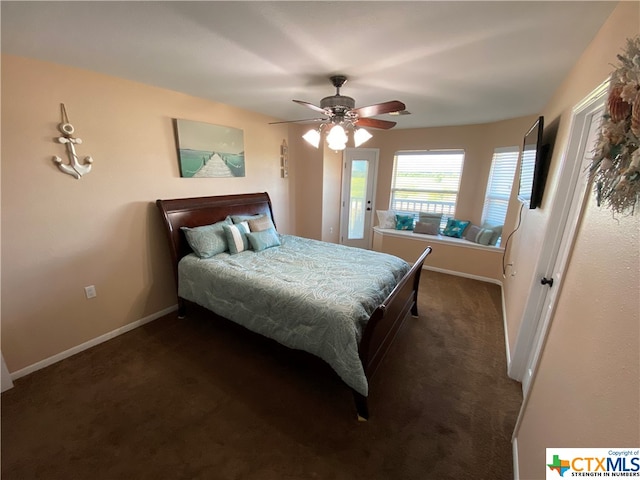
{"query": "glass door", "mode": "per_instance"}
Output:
(358, 191)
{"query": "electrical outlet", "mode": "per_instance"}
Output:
(90, 291)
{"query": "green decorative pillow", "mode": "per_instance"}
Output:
(261, 223)
(263, 239)
(404, 222)
(237, 237)
(207, 240)
(455, 228)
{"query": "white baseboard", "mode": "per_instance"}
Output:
(506, 331)
(462, 274)
(516, 466)
(91, 343)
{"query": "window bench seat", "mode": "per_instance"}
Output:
(450, 255)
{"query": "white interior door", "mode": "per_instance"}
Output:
(563, 224)
(358, 193)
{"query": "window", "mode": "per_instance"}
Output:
(426, 181)
(503, 170)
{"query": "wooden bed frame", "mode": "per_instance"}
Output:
(384, 323)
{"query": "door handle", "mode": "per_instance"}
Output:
(547, 281)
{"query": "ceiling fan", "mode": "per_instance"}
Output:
(340, 114)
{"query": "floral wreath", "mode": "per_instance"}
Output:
(616, 164)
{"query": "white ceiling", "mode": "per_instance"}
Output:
(451, 62)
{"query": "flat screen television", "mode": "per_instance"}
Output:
(533, 166)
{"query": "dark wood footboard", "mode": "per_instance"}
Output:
(384, 324)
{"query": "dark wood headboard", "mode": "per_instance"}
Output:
(198, 211)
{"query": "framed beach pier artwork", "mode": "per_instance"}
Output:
(206, 150)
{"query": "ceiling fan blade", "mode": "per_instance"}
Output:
(375, 123)
(313, 107)
(304, 120)
(379, 109)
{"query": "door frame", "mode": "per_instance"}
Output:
(562, 227)
(345, 193)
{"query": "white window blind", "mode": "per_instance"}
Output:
(426, 181)
(503, 169)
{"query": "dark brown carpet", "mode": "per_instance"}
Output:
(203, 399)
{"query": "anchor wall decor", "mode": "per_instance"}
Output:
(73, 168)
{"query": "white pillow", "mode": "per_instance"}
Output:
(386, 218)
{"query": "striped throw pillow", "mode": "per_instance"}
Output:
(237, 237)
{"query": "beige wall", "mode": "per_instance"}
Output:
(331, 195)
(308, 200)
(586, 392)
(60, 234)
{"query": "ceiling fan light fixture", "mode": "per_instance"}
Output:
(337, 138)
(337, 135)
(312, 137)
(360, 135)
(341, 112)
(337, 146)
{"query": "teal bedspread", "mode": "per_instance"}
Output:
(305, 294)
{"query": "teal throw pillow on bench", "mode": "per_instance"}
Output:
(455, 228)
(404, 222)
